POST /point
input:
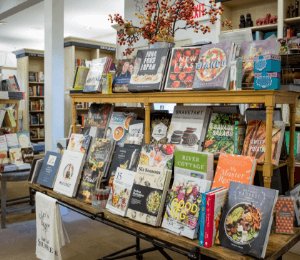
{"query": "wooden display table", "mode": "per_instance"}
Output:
(268, 97)
(278, 244)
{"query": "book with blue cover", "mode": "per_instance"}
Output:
(49, 169)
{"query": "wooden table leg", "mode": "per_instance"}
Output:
(291, 158)
(147, 123)
(268, 167)
(3, 203)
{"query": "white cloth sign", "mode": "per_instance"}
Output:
(50, 232)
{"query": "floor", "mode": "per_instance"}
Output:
(89, 240)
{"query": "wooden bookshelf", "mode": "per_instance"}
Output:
(36, 82)
(268, 97)
(37, 111)
(36, 96)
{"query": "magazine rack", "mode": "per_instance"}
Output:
(12, 101)
(268, 97)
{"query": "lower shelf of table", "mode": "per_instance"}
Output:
(277, 246)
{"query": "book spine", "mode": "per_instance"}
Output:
(236, 138)
(202, 220)
(209, 220)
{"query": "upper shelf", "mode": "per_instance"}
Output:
(238, 3)
(292, 21)
(35, 82)
(263, 28)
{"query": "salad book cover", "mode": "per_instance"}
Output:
(148, 194)
(284, 215)
(188, 127)
(236, 168)
(247, 218)
(295, 192)
(182, 68)
(212, 70)
(255, 140)
(120, 192)
(118, 126)
(194, 164)
(182, 211)
(149, 70)
(160, 122)
(123, 74)
(88, 185)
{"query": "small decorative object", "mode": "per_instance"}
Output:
(159, 21)
(242, 21)
(267, 63)
(290, 11)
(273, 19)
(296, 9)
(267, 19)
(260, 21)
(267, 80)
(249, 22)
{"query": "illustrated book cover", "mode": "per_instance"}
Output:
(79, 143)
(88, 185)
(27, 154)
(124, 71)
(24, 139)
(159, 127)
(284, 215)
(15, 156)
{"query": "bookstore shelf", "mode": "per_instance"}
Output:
(35, 82)
(37, 139)
(36, 125)
(36, 96)
(268, 97)
(292, 21)
(263, 28)
(36, 111)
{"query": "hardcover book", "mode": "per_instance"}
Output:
(136, 127)
(37, 170)
(49, 169)
(27, 154)
(80, 77)
(247, 218)
(194, 164)
(212, 70)
(149, 70)
(284, 215)
(182, 211)
(88, 185)
(3, 143)
(124, 71)
(120, 192)
(69, 173)
(255, 140)
(79, 143)
(188, 127)
(4, 159)
(160, 123)
(148, 195)
(220, 134)
(119, 126)
(236, 168)
(295, 193)
(12, 141)
(15, 156)
(24, 140)
(182, 68)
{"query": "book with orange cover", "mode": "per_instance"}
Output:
(255, 140)
(235, 168)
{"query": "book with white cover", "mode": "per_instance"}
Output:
(69, 173)
(188, 127)
(12, 141)
(120, 192)
(3, 143)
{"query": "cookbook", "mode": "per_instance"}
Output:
(123, 74)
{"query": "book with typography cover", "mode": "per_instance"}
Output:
(182, 211)
(79, 143)
(27, 154)
(88, 185)
(182, 68)
(149, 70)
(80, 77)
(236, 168)
(159, 126)
(48, 169)
(247, 219)
(284, 215)
(212, 70)
(188, 127)
(69, 173)
(194, 164)
(255, 140)
(124, 71)
(119, 194)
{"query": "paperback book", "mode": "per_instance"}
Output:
(3, 143)
(194, 164)
(182, 211)
(149, 70)
(188, 127)
(24, 140)
(124, 71)
(247, 218)
(12, 141)
(4, 159)
(284, 215)
(79, 143)
(69, 173)
(80, 77)
(212, 70)
(182, 68)
(15, 156)
(88, 185)
(27, 154)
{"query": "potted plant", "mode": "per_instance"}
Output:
(159, 22)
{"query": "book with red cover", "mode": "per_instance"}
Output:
(284, 217)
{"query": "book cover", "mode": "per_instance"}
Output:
(124, 71)
(247, 218)
(212, 70)
(61, 145)
(120, 192)
(255, 140)
(27, 154)
(182, 68)
(188, 127)
(148, 195)
(88, 185)
(149, 70)
(194, 164)
(159, 126)
(236, 168)
(69, 173)
(284, 215)
(136, 127)
(15, 156)
(12, 141)
(214, 207)
(182, 211)
(4, 157)
(80, 77)
(49, 169)
(295, 193)
(118, 126)
(24, 139)
(93, 79)
(3, 143)
(79, 143)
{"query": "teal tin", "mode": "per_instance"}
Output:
(267, 80)
(267, 63)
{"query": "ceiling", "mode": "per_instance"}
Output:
(83, 18)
